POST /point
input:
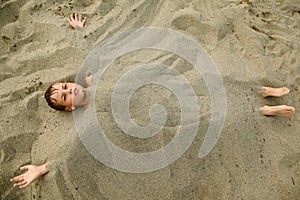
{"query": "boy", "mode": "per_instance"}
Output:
(60, 96)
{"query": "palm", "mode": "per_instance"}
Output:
(31, 174)
(76, 22)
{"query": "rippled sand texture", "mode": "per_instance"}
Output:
(253, 43)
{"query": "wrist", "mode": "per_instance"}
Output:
(43, 169)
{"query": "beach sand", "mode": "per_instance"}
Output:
(252, 43)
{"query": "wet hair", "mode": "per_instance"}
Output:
(51, 102)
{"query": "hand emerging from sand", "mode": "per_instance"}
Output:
(33, 172)
(76, 21)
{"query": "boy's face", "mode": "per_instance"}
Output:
(69, 95)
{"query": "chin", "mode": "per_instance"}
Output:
(79, 99)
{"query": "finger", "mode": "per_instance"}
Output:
(76, 19)
(80, 18)
(17, 178)
(84, 20)
(24, 168)
(71, 17)
(25, 185)
(70, 22)
(20, 184)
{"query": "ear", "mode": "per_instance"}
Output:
(69, 108)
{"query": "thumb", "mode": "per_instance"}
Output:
(26, 167)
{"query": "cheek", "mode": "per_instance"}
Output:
(69, 99)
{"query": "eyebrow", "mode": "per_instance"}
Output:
(62, 87)
(62, 94)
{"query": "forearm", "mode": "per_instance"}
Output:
(43, 169)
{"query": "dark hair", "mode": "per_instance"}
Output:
(49, 92)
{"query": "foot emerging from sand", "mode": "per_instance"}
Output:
(275, 92)
(282, 110)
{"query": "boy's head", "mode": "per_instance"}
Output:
(66, 96)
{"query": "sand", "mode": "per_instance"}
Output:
(252, 43)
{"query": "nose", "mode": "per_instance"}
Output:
(71, 91)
